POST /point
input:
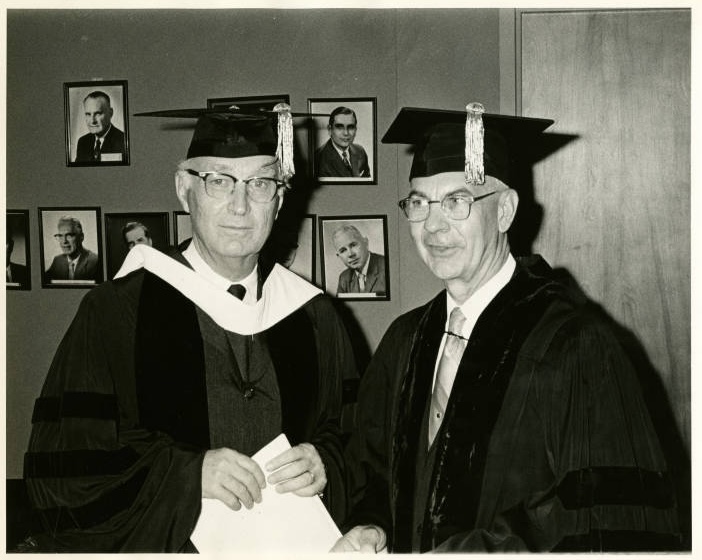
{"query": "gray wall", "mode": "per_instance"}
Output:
(178, 59)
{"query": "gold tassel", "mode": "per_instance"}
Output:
(284, 151)
(475, 166)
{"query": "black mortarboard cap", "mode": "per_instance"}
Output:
(473, 141)
(232, 133)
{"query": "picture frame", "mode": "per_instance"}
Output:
(252, 103)
(326, 163)
(123, 230)
(91, 109)
(182, 227)
(343, 242)
(18, 274)
(56, 252)
(302, 259)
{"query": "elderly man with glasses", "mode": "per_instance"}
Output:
(175, 373)
(75, 261)
(502, 415)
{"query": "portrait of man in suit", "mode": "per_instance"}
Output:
(103, 142)
(16, 275)
(365, 270)
(340, 156)
(74, 262)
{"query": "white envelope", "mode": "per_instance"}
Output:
(280, 523)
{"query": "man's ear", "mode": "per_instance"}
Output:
(182, 190)
(507, 209)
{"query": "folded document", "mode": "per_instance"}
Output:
(280, 523)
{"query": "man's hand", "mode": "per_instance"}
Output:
(232, 478)
(362, 538)
(299, 470)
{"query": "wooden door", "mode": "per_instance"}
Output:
(616, 200)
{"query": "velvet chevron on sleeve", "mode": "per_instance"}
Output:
(546, 444)
(124, 420)
(100, 482)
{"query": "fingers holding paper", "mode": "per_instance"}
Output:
(362, 538)
(299, 469)
(232, 478)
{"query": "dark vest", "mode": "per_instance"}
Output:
(171, 372)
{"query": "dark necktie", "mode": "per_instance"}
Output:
(345, 158)
(96, 150)
(237, 290)
(448, 366)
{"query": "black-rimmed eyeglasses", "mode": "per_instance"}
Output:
(455, 206)
(221, 185)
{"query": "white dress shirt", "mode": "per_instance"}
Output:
(203, 269)
(473, 307)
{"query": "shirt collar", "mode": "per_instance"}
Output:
(203, 269)
(364, 270)
(341, 151)
(473, 307)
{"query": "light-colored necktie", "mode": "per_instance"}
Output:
(361, 281)
(345, 157)
(446, 373)
(71, 270)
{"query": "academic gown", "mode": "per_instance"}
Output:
(546, 443)
(122, 424)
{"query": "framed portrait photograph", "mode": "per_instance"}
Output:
(250, 104)
(354, 252)
(300, 258)
(97, 124)
(70, 243)
(124, 230)
(182, 227)
(343, 147)
(18, 274)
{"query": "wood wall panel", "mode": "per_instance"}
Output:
(616, 200)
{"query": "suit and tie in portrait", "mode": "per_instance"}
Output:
(104, 142)
(365, 272)
(331, 164)
(75, 262)
(349, 280)
(340, 156)
(85, 269)
(111, 148)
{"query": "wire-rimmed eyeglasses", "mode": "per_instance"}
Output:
(221, 185)
(455, 206)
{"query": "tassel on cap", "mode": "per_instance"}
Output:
(284, 151)
(475, 167)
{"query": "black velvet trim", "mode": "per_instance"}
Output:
(414, 392)
(293, 350)
(99, 510)
(620, 541)
(615, 485)
(170, 365)
(75, 405)
(84, 462)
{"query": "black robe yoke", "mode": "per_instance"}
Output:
(546, 443)
(121, 427)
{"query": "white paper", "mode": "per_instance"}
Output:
(280, 523)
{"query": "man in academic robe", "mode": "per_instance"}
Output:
(365, 270)
(173, 374)
(340, 156)
(502, 416)
(104, 142)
